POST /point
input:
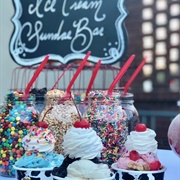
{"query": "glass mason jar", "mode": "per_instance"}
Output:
(127, 104)
(1, 106)
(40, 103)
(17, 116)
(108, 119)
(60, 114)
(82, 102)
(39, 98)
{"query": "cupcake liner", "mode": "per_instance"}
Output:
(33, 173)
(139, 175)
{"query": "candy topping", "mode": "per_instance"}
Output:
(42, 124)
(155, 165)
(140, 127)
(82, 124)
(134, 155)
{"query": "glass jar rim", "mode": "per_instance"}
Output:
(55, 93)
(103, 94)
(127, 96)
(19, 96)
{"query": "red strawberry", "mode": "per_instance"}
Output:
(140, 127)
(42, 124)
(82, 124)
(134, 155)
(155, 165)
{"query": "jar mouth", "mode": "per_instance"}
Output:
(103, 95)
(127, 96)
(55, 93)
(120, 90)
(40, 97)
(17, 97)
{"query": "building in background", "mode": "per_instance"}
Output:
(154, 32)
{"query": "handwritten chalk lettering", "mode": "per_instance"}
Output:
(82, 31)
(49, 6)
(57, 36)
(35, 9)
(71, 26)
(87, 6)
(85, 33)
(98, 31)
(38, 35)
(31, 37)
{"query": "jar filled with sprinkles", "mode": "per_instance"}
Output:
(17, 116)
(108, 119)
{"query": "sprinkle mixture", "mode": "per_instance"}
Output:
(60, 118)
(109, 121)
(15, 119)
(43, 135)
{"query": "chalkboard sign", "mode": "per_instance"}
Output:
(67, 29)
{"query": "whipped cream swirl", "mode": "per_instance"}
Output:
(142, 142)
(39, 139)
(82, 143)
(86, 169)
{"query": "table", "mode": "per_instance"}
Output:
(167, 158)
(172, 163)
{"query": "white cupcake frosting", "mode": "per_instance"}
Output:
(39, 139)
(142, 142)
(82, 143)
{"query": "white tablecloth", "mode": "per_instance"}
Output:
(167, 158)
(172, 163)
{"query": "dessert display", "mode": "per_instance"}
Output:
(36, 150)
(82, 148)
(174, 135)
(16, 117)
(140, 156)
(38, 144)
(60, 114)
(108, 119)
